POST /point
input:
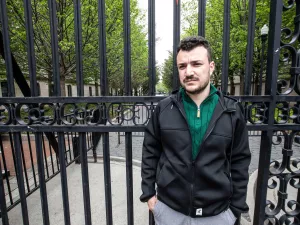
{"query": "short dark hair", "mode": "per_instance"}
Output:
(189, 43)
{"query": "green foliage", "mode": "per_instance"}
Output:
(161, 88)
(90, 39)
(167, 72)
(214, 33)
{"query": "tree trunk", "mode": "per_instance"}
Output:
(62, 86)
(62, 81)
(96, 88)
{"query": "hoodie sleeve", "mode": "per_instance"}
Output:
(240, 160)
(152, 150)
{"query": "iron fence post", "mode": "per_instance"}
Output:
(76, 150)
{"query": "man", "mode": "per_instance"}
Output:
(196, 148)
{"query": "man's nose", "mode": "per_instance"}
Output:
(189, 70)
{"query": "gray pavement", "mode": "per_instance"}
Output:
(97, 193)
(117, 149)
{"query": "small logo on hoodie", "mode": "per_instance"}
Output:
(199, 212)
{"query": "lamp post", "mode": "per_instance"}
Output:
(264, 35)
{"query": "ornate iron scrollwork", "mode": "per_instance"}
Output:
(284, 177)
(132, 114)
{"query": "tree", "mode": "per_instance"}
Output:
(65, 29)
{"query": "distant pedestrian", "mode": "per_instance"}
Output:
(196, 148)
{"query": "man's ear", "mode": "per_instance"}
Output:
(212, 67)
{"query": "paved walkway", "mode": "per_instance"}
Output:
(97, 193)
(137, 143)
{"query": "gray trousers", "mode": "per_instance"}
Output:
(164, 215)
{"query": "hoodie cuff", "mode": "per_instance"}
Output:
(145, 198)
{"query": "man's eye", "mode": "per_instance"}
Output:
(181, 67)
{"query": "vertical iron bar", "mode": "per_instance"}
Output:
(12, 150)
(250, 46)
(24, 162)
(102, 48)
(127, 47)
(51, 158)
(225, 47)
(176, 39)
(88, 140)
(42, 181)
(107, 179)
(31, 159)
(3, 209)
(151, 43)
(129, 178)
(69, 145)
(64, 181)
(201, 17)
(85, 179)
(7, 52)
(57, 161)
(78, 48)
(45, 157)
(54, 47)
(5, 169)
(151, 218)
(128, 91)
(66, 151)
(20, 178)
(271, 89)
(30, 47)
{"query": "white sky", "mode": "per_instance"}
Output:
(164, 27)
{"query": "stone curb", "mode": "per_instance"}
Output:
(135, 162)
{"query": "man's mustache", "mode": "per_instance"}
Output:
(190, 78)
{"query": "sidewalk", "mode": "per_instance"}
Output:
(97, 197)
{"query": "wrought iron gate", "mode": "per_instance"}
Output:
(272, 113)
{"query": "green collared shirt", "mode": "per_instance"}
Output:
(199, 118)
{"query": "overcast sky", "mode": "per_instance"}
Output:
(164, 27)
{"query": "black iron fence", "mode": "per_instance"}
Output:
(29, 154)
(46, 118)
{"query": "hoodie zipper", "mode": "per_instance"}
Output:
(193, 162)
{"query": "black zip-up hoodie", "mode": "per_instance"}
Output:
(216, 179)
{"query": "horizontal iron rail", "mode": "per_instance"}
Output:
(118, 128)
(118, 99)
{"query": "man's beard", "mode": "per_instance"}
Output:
(199, 89)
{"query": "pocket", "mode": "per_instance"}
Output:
(166, 175)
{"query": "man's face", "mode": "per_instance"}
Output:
(194, 69)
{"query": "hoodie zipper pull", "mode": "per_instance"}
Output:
(198, 112)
